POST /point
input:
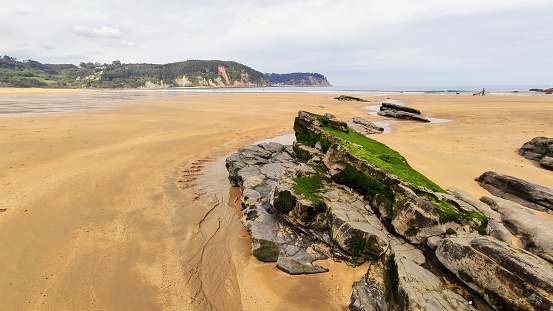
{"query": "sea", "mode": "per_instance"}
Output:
(102, 99)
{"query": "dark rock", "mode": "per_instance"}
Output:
(511, 188)
(535, 233)
(402, 115)
(294, 267)
(508, 278)
(350, 98)
(537, 148)
(388, 106)
(547, 162)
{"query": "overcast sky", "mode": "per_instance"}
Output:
(351, 42)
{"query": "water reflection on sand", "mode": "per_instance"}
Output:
(74, 101)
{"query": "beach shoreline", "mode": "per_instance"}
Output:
(122, 209)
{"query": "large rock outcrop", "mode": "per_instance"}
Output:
(257, 170)
(338, 194)
(511, 188)
(411, 206)
(508, 278)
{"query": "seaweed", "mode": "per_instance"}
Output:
(285, 202)
(309, 187)
(400, 108)
(448, 212)
(350, 98)
(362, 247)
(382, 157)
(364, 183)
(302, 154)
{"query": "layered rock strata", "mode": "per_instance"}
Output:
(511, 188)
(506, 277)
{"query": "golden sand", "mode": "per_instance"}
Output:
(110, 210)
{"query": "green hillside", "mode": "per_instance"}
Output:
(297, 79)
(207, 73)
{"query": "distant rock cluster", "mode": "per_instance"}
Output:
(401, 112)
(338, 194)
(546, 91)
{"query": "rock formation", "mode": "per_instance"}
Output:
(511, 188)
(535, 233)
(338, 194)
(506, 277)
(351, 98)
(401, 112)
(539, 149)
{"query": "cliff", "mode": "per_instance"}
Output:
(297, 79)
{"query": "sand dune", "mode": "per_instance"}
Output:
(125, 209)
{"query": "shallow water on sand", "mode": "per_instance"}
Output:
(80, 100)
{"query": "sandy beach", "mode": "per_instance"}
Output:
(129, 208)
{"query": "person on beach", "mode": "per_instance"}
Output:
(483, 91)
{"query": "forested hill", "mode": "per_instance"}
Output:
(208, 73)
(298, 79)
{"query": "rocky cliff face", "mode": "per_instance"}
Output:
(226, 77)
(338, 194)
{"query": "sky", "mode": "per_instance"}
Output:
(351, 42)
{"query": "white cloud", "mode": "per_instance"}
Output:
(22, 12)
(128, 43)
(377, 42)
(102, 32)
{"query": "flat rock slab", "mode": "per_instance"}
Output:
(511, 188)
(536, 233)
(402, 115)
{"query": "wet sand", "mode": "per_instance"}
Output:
(102, 210)
(129, 208)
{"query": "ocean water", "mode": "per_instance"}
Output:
(102, 99)
(378, 90)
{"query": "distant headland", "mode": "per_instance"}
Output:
(190, 73)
